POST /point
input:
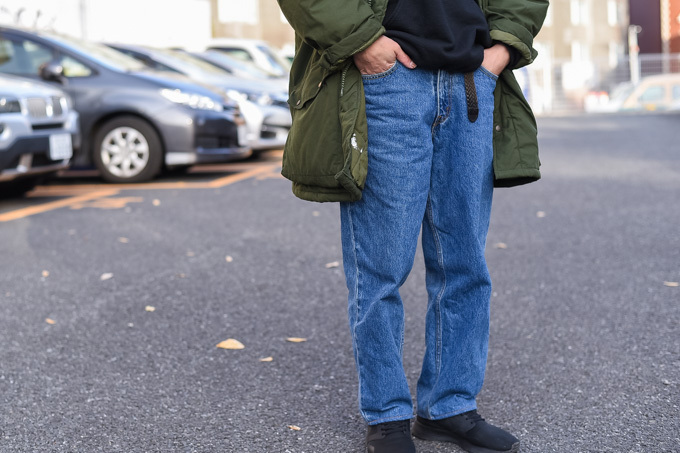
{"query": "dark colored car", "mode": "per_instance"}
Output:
(134, 121)
(263, 102)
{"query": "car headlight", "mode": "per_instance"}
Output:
(255, 98)
(8, 105)
(195, 101)
(260, 98)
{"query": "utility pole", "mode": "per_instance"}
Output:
(634, 53)
(666, 34)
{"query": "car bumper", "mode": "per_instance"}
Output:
(28, 156)
(25, 150)
(195, 137)
(274, 130)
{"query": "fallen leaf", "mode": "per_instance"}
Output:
(229, 259)
(267, 359)
(50, 321)
(150, 308)
(106, 276)
(294, 428)
(230, 344)
(123, 240)
(156, 202)
(540, 214)
(45, 273)
(501, 245)
(672, 284)
(332, 265)
(296, 339)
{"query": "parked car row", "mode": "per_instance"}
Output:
(140, 111)
(652, 93)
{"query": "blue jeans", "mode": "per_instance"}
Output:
(428, 165)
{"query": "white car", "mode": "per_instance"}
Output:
(38, 130)
(253, 51)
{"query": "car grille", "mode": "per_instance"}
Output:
(56, 106)
(40, 108)
(37, 107)
(213, 142)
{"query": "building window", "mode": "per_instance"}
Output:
(579, 51)
(612, 12)
(241, 11)
(615, 52)
(580, 12)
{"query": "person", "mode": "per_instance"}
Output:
(408, 114)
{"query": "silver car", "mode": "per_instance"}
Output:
(38, 129)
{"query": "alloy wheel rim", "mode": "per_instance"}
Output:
(125, 152)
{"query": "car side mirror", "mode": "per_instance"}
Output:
(53, 71)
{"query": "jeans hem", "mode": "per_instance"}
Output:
(449, 414)
(393, 418)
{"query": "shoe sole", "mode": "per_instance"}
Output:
(424, 433)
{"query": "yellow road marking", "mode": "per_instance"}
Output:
(78, 195)
(107, 203)
(32, 210)
(221, 182)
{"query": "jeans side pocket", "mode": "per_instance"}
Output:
(380, 75)
(488, 73)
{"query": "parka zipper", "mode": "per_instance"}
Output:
(342, 79)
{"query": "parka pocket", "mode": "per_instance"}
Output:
(313, 151)
(308, 89)
(326, 146)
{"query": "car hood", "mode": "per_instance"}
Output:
(247, 86)
(20, 87)
(172, 80)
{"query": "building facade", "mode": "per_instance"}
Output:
(148, 22)
(251, 19)
(659, 21)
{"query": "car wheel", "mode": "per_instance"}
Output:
(127, 149)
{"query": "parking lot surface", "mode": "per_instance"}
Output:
(113, 300)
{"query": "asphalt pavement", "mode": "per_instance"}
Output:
(112, 306)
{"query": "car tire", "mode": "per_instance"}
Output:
(127, 149)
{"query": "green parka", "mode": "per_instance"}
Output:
(325, 155)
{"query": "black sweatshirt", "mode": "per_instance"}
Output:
(439, 34)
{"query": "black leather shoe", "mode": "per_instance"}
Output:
(390, 437)
(469, 431)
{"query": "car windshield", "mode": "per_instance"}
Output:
(239, 65)
(274, 59)
(186, 59)
(621, 92)
(100, 53)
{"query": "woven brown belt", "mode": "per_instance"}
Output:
(471, 97)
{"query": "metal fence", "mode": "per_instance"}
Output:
(567, 87)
